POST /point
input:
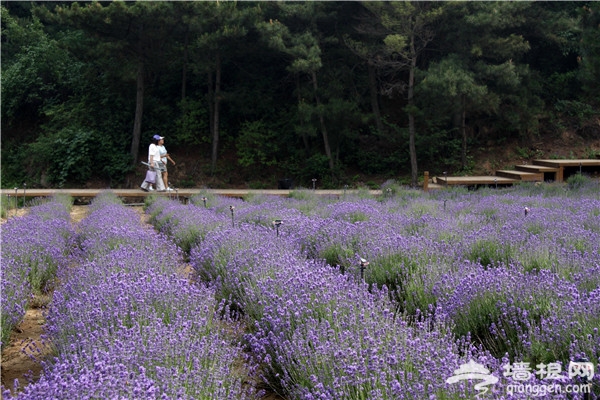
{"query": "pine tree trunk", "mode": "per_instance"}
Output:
(411, 117)
(463, 129)
(374, 98)
(217, 103)
(322, 123)
(139, 111)
(184, 69)
(304, 135)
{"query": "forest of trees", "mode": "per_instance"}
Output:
(306, 89)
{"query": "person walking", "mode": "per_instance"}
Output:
(164, 156)
(154, 165)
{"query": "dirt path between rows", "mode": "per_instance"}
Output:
(22, 355)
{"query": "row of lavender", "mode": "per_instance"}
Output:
(497, 284)
(124, 323)
(33, 248)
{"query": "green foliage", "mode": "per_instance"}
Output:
(582, 111)
(590, 49)
(69, 155)
(256, 145)
(35, 68)
(6, 205)
(300, 101)
(577, 181)
(192, 125)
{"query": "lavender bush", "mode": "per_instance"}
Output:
(33, 248)
(497, 277)
(123, 324)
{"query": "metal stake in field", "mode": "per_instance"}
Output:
(232, 220)
(363, 265)
(277, 223)
(585, 378)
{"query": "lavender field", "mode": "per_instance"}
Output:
(442, 295)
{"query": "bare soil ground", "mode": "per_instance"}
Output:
(22, 355)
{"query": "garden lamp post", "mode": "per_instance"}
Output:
(24, 192)
(277, 223)
(584, 363)
(16, 198)
(526, 211)
(204, 200)
(363, 265)
(314, 181)
(232, 220)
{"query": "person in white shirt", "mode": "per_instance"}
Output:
(154, 164)
(164, 156)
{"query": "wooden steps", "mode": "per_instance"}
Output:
(521, 175)
(541, 170)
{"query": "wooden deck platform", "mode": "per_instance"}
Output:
(475, 180)
(541, 170)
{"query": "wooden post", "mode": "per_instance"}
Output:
(426, 181)
(559, 174)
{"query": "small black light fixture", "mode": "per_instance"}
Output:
(526, 211)
(588, 370)
(231, 208)
(314, 181)
(363, 265)
(16, 198)
(204, 200)
(24, 193)
(277, 223)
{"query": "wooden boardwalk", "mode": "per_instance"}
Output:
(541, 170)
(181, 193)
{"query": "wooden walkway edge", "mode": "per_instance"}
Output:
(181, 193)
